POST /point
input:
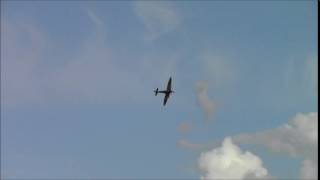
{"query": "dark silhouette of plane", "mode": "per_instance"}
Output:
(166, 92)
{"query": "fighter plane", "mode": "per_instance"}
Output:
(167, 92)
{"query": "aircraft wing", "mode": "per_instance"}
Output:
(166, 97)
(169, 85)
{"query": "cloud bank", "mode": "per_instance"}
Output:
(230, 162)
(297, 138)
(309, 169)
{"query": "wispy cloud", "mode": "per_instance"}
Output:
(184, 127)
(311, 75)
(22, 50)
(190, 145)
(95, 19)
(158, 17)
(203, 99)
(294, 83)
(92, 75)
(95, 76)
(218, 69)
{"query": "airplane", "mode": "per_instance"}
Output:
(167, 92)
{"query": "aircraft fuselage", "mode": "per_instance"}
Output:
(165, 92)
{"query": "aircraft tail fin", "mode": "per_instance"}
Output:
(156, 92)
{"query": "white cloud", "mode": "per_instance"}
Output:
(230, 162)
(203, 99)
(158, 17)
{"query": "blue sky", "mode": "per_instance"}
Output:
(77, 81)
